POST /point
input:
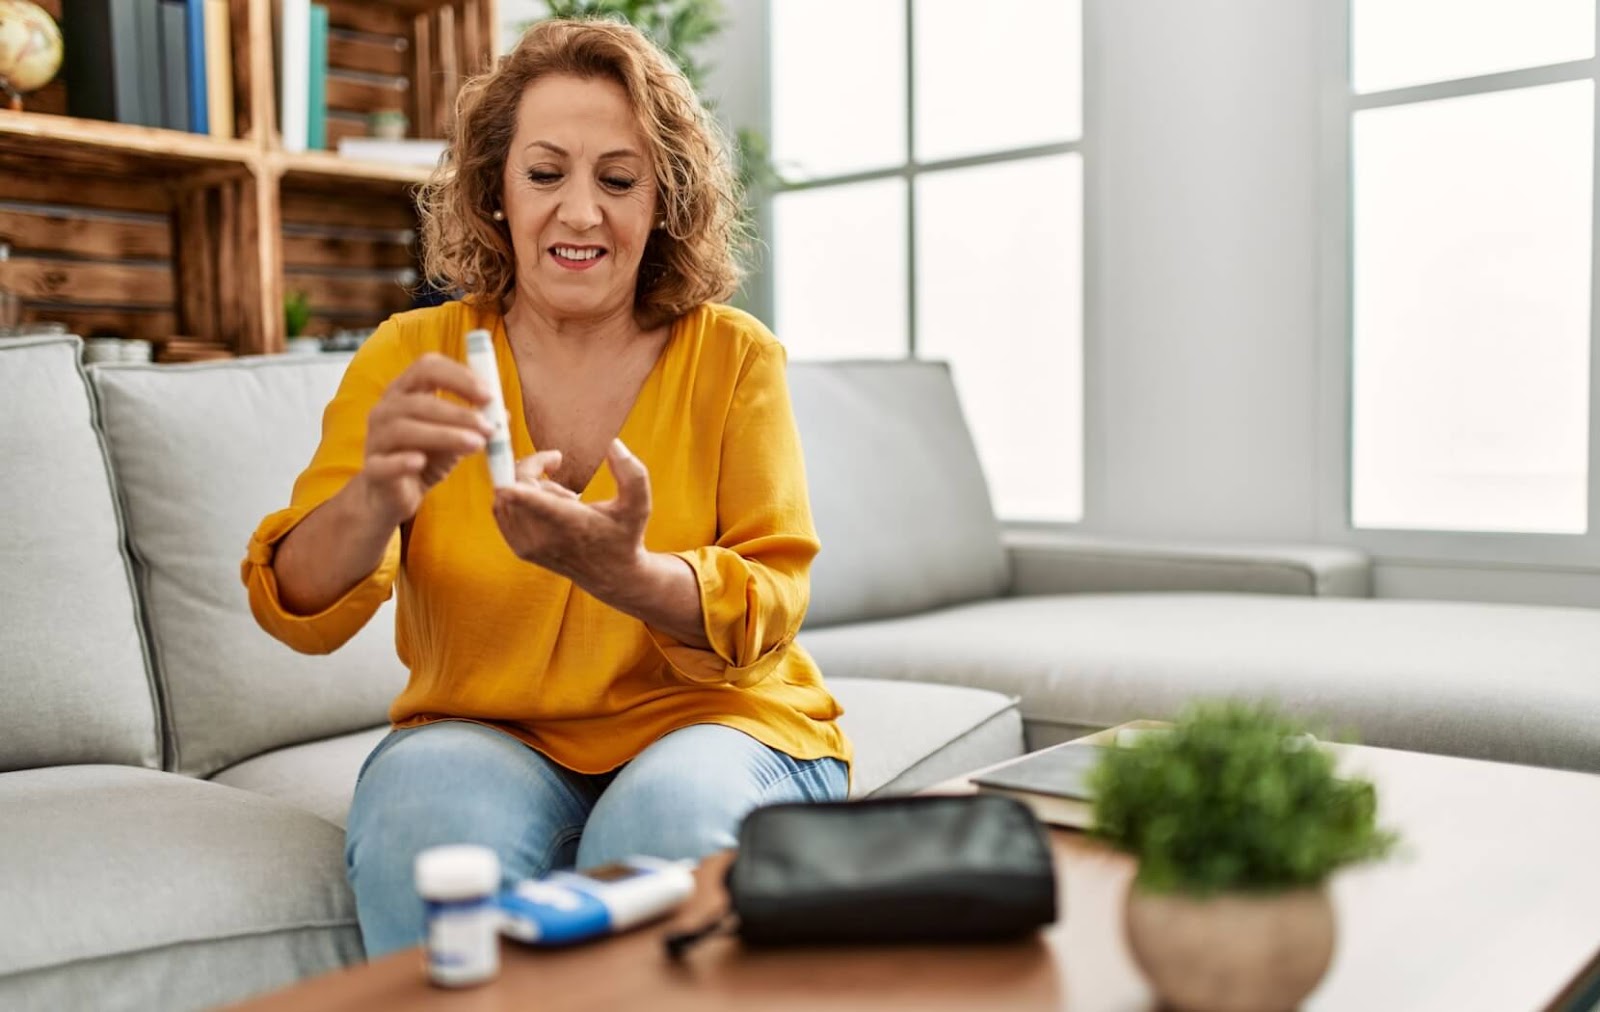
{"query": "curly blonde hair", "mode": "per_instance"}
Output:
(695, 258)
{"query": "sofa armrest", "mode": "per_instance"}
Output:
(1048, 562)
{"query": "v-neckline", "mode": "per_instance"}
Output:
(522, 440)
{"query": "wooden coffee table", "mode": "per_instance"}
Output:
(1494, 904)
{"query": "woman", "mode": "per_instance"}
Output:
(602, 658)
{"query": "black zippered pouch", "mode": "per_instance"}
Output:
(929, 868)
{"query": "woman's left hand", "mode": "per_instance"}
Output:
(599, 546)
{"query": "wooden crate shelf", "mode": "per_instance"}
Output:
(310, 167)
(67, 141)
(131, 256)
(352, 250)
(152, 233)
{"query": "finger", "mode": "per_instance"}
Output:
(528, 499)
(428, 408)
(533, 468)
(384, 466)
(408, 434)
(633, 481)
(436, 471)
(434, 372)
(557, 489)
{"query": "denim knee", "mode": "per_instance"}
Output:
(686, 794)
(452, 782)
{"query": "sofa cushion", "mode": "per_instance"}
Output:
(1489, 681)
(319, 777)
(130, 888)
(74, 677)
(910, 735)
(201, 454)
(897, 492)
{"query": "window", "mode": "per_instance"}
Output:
(933, 207)
(1464, 219)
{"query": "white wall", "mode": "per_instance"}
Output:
(512, 13)
(1202, 279)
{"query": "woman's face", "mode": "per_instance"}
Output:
(579, 197)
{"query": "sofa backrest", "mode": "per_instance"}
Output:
(898, 495)
(201, 454)
(74, 683)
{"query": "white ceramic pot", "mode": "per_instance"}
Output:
(1234, 952)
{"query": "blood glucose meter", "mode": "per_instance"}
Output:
(572, 906)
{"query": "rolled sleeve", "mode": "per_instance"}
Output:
(755, 582)
(329, 629)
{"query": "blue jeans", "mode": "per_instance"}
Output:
(458, 782)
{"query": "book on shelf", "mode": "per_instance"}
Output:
(195, 28)
(219, 68)
(109, 51)
(1053, 782)
(294, 77)
(422, 152)
(176, 110)
(158, 63)
(317, 85)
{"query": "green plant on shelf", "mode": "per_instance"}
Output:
(296, 313)
(1236, 797)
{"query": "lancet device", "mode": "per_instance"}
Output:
(480, 359)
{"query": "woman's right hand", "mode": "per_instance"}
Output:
(414, 436)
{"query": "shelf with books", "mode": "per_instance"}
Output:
(147, 231)
(340, 63)
(182, 65)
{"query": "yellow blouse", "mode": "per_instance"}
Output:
(490, 638)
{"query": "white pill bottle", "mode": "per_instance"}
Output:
(459, 885)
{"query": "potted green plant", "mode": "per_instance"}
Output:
(1237, 819)
(296, 313)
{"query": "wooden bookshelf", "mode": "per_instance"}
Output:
(153, 233)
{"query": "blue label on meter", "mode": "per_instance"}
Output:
(544, 913)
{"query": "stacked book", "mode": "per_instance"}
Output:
(309, 86)
(188, 349)
(158, 63)
(303, 75)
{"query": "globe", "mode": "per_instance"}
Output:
(30, 48)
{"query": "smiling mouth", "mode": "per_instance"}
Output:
(576, 255)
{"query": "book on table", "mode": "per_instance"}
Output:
(1054, 783)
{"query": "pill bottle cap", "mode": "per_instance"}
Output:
(461, 871)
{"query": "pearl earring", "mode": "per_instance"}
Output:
(498, 215)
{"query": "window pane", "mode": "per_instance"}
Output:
(1010, 77)
(1471, 312)
(839, 270)
(1001, 298)
(838, 86)
(1399, 43)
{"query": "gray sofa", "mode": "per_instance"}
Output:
(173, 783)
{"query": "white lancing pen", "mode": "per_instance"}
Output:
(480, 359)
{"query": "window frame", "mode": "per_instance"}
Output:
(1336, 342)
(762, 296)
